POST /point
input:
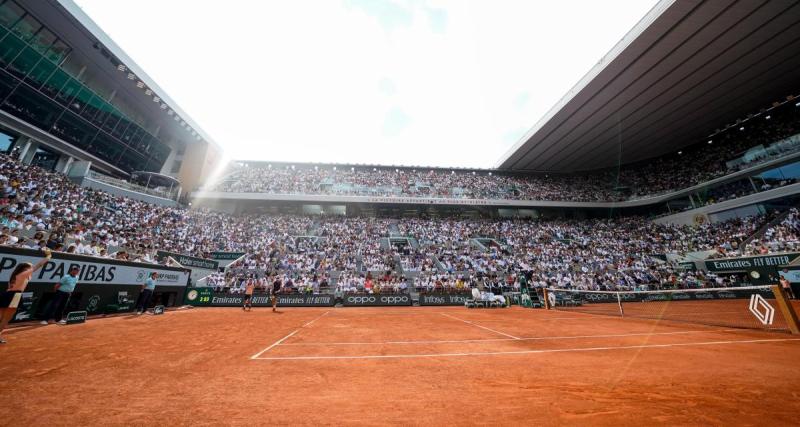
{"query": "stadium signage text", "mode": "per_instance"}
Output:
(443, 299)
(207, 297)
(76, 317)
(748, 263)
(226, 255)
(189, 261)
(92, 270)
(372, 300)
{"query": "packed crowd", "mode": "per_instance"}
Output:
(693, 165)
(41, 209)
(781, 237)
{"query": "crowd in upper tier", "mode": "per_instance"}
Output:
(759, 141)
(42, 209)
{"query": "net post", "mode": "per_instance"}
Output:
(546, 294)
(786, 308)
(619, 303)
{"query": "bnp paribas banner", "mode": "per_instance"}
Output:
(750, 263)
(92, 270)
(189, 261)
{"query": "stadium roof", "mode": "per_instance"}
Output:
(687, 69)
(96, 47)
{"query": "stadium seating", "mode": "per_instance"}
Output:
(308, 254)
(759, 141)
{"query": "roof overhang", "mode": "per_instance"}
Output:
(85, 37)
(687, 68)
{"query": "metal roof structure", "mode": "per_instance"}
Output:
(687, 69)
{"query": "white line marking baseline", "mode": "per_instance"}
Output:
(276, 343)
(555, 350)
(479, 326)
(567, 337)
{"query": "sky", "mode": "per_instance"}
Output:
(394, 82)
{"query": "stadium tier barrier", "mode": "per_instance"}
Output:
(753, 307)
(105, 286)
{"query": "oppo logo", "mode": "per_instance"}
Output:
(387, 299)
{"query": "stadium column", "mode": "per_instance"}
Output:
(786, 308)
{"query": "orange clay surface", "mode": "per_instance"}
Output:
(410, 366)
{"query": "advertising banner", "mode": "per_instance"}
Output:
(745, 264)
(206, 297)
(443, 299)
(25, 307)
(372, 300)
(225, 255)
(92, 270)
(189, 261)
(74, 317)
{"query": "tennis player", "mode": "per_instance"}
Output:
(10, 298)
(276, 289)
(247, 304)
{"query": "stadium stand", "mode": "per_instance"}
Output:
(760, 141)
(311, 255)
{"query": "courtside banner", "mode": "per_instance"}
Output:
(189, 261)
(206, 297)
(376, 300)
(443, 299)
(93, 270)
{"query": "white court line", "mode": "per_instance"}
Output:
(255, 356)
(555, 350)
(482, 327)
(566, 337)
(315, 319)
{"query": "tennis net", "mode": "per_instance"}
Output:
(754, 307)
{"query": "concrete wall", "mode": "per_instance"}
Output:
(117, 191)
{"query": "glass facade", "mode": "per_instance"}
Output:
(37, 89)
(7, 140)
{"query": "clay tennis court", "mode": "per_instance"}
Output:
(373, 366)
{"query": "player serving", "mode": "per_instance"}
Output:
(276, 289)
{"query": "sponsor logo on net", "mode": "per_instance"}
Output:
(761, 309)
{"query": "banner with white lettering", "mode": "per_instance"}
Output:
(92, 270)
(744, 264)
(374, 300)
(443, 299)
(189, 261)
(206, 297)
